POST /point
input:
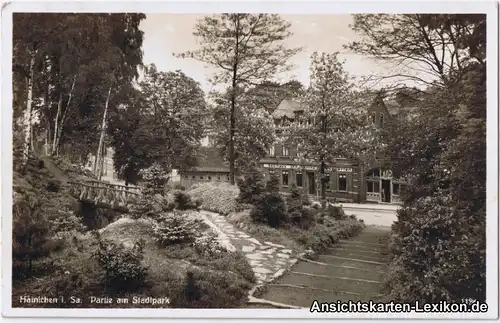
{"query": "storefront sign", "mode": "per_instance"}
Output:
(289, 166)
(344, 170)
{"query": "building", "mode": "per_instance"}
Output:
(346, 180)
(211, 168)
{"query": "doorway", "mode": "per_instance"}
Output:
(311, 183)
(386, 190)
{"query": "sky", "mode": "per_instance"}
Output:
(165, 34)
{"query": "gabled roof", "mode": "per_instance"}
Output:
(211, 161)
(287, 108)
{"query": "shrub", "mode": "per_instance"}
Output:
(336, 212)
(270, 209)
(452, 241)
(220, 198)
(53, 185)
(123, 267)
(251, 186)
(208, 245)
(211, 289)
(183, 201)
(155, 179)
(322, 236)
(148, 206)
(174, 228)
(295, 192)
(273, 184)
(179, 186)
(299, 215)
(30, 234)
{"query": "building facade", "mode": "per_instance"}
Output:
(211, 168)
(346, 180)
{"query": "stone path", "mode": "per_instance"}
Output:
(350, 270)
(268, 260)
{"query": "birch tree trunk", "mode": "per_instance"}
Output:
(56, 123)
(59, 122)
(101, 139)
(28, 116)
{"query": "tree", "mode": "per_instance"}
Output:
(247, 49)
(426, 49)
(75, 57)
(268, 95)
(255, 131)
(339, 127)
(439, 241)
(163, 124)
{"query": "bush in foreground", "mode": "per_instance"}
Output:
(451, 239)
(211, 289)
(270, 209)
(123, 267)
(251, 186)
(174, 228)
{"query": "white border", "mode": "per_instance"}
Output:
(490, 8)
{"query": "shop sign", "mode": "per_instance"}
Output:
(289, 166)
(344, 170)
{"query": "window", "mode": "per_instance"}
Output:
(194, 177)
(285, 178)
(218, 177)
(298, 178)
(395, 189)
(271, 151)
(381, 119)
(373, 187)
(373, 118)
(342, 182)
(201, 177)
(209, 178)
(227, 177)
(284, 151)
(186, 177)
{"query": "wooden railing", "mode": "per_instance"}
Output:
(99, 192)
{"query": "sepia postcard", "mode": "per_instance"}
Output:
(250, 160)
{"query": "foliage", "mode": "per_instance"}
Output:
(300, 216)
(427, 48)
(123, 267)
(338, 125)
(270, 209)
(246, 49)
(155, 179)
(324, 235)
(183, 201)
(167, 116)
(255, 130)
(30, 233)
(273, 184)
(72, 60)
(210, 289)
(174, 228)
(451, 239)
(208, 245)
(439, 238)
(220, 198)
(251, 186)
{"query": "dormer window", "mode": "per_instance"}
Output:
(373, 118)
(284, 151)
(381, 119)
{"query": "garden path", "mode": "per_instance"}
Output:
(268, 260)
